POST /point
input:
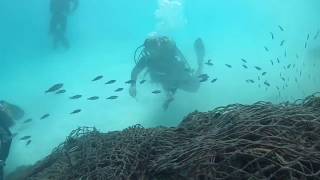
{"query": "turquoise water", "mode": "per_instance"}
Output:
(103, 36)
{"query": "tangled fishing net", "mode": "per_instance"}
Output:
(259, 141)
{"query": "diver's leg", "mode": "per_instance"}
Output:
(170, 92)
(64, 40)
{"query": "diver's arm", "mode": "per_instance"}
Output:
(142, 63)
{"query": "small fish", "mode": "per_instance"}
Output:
(305, 44)
(25, 137)
(297, 56)
(258, 78)
(54, 88)
(281, 28)
(258, 68)
(266, 83)
(243, 60)
(288, 66)
(76, 96)
(204, 79)
(118, 90)
(112, 97)
(203, 76)
(156, 91)
(285, 53)
(61, 91)
(93, 98)
(308, 36)
(283, 79)
(271, 62)
(130, 82)
(264, 73)
(209, 63)
(272, 36)
(296, 79)
(228, 65)
(97, 78)
(278, 60)
(250, 81)
(142, 81)
(110, 82)
(27, 121)
(213, 80)
(316, 35)
(44, 116)
(294, 65)
(282, 42)
(244, 66)
(266, 48)
(28, 142)
(76, 111)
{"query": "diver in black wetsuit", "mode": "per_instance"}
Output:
(60, 9)
(167, 66)
(8, 113)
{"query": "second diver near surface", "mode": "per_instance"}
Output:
(60, 10)
(167, 66)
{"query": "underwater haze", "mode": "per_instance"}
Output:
(260, 51)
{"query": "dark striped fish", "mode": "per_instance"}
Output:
(118, 90)
(27, 121)
(258, 68)
(28, 142)
(45, 116)
(214, 80)
(110, 82)
(244, 60)
(25, 137)
(61, 91)
(112, 97)
(76, 96)
(272, 36)
(93, 98)
(76, 111)
(156, 92)
(54, 88)
(97, 78)
(281, 28)
(130, 82)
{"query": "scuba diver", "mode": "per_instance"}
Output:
(8, 113)
(167, 66)
(60, 9)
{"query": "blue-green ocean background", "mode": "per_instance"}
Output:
(103, 36)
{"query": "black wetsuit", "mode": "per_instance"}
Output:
(5, 139)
